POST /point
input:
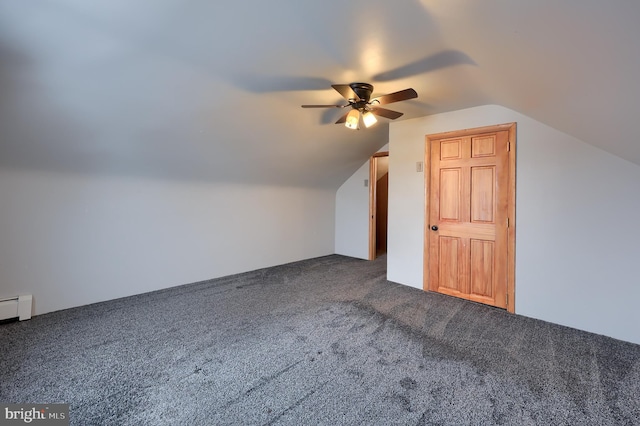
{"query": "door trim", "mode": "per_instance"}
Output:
(511, 204)
(373, 183)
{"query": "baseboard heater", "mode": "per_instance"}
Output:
(19, 306)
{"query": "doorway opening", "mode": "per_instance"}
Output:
(378, 203)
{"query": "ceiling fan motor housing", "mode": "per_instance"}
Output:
(363, 90)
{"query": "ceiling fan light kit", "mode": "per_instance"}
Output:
(358, 96)
(369, 119)
(353, 119)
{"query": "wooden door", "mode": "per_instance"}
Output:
(382, 207)
(373, 205)
(468, 214)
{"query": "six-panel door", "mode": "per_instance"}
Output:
(468, 213)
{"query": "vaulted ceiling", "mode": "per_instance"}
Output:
(211, 90)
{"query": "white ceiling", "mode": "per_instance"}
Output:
(211, 90)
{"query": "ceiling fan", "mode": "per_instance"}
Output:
(359, 97)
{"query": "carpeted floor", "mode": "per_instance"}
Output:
(324, 341)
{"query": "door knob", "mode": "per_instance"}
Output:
(434, 228)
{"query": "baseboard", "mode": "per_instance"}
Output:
(13, 307)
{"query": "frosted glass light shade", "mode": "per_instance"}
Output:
(369, 119)
(352, 119)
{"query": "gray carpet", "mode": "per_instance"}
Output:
(324, 341)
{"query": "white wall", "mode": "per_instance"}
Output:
(577, 211)
(352, 214)
(73, 240)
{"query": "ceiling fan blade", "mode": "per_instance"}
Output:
(402, 95)
(346, 91)
(387, 113)
(342, 119)
(323, 106)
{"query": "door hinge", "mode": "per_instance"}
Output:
(507, 299)
(508, 146)
(507, 222)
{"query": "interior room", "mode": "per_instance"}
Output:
(250, 186)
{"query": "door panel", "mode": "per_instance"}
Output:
(482, 264)
(450, 180)
(451, 149)
(468, 208)
(483, 201)
(449, 272)
(483, 146)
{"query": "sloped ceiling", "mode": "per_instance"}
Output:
(211, 90)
